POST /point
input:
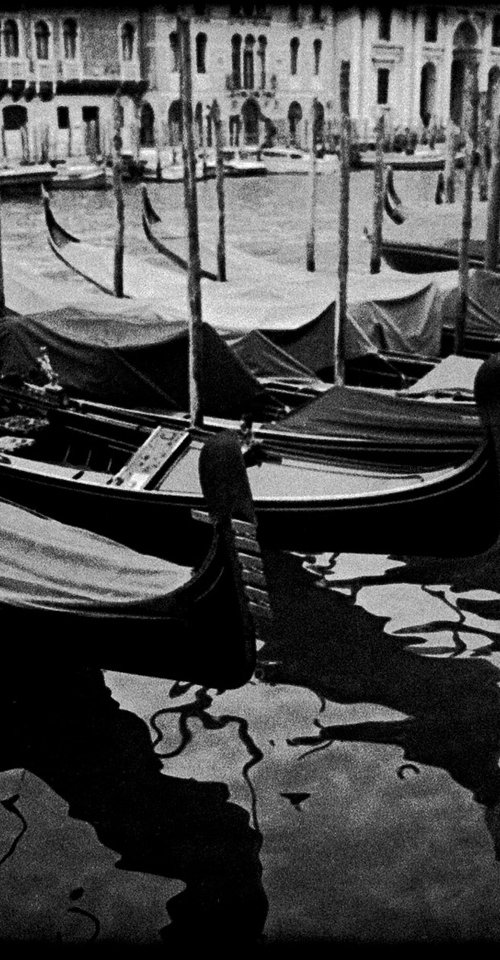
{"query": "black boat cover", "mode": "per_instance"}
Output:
(130, 359)
(408, 323)
(373, 415)
(267, 361)
(47, 564)
(483, 304)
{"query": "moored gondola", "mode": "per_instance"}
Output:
(76, 597)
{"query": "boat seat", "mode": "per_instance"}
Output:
(148, 465)
(13, 444)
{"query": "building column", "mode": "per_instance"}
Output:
(485, 61)
(409, 68)
(418, 39)
(355, 63)
(448, 28)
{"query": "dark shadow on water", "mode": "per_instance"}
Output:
(65, 728)
(327, 644)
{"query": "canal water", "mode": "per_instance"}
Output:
(361, 788)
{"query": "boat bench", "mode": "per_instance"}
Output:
(150, 462)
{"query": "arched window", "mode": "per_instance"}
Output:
(495, 40)
(384, 25)
(11, 38)
(69, 39)
(294, 55)
(236, 60)
(317, 56)
(42, 35)
(248, 74)
(261, 53)
(201, 52)
(128, 38)
(147, 131)
(431, 26)
(174, 50)
(294, 118)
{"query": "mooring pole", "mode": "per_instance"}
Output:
(482, 146)
(118, 192)
(449, 163)
(2, 286)
(191, 204)
(493, 209)
(311, 234)
(343, 264)
(378, 199)
(219, 184)
(471, 106)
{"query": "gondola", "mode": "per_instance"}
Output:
(126, 479)
(75, 597)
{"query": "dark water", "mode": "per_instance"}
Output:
(362, 797)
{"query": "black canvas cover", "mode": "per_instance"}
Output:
(371, 414)
(483, 305)
(269, 362)
(129, 359)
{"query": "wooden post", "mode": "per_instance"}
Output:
(2, 288)
(378, 199)
(159, 146)
(191, 204)
(482, 148)
(118, 192)
(493, 210)
(311, 236)
(449, 164)
(343, 265)
(219, 183)
(471, 107)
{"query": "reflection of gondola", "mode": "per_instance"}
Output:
(93, 600)
(344, 654)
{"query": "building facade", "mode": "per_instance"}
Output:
(274, 70)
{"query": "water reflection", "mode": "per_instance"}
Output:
(332, 646)
(65, 728)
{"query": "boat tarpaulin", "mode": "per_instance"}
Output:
(483, 304)
(376, 415)
(454, 373)
(409, 322)
(47, 564)
(130, 358)
(268, 361)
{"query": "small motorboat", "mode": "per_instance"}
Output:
(292, 160)
(72, 176)
(238, 162)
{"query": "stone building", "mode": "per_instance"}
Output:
(273, 68)
(59, 69)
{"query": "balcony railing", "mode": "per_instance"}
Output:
(11, 70)
(70, 70)
(43, 71)
(130, 70)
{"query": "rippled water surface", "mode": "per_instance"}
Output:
(362, 796)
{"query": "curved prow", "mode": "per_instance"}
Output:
(58, 235)
(226, 489)
(392, 204)
(149, 211)
(487, 397)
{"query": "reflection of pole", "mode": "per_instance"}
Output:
(471, 105)
(311, 236)
(191, 204)
(378, 199)
(343, 265)
(219, 183)
(118, 192)
(493, 211)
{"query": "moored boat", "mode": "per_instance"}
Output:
(122, 476)
(292, 160)
(80, 177)
(78, 597)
